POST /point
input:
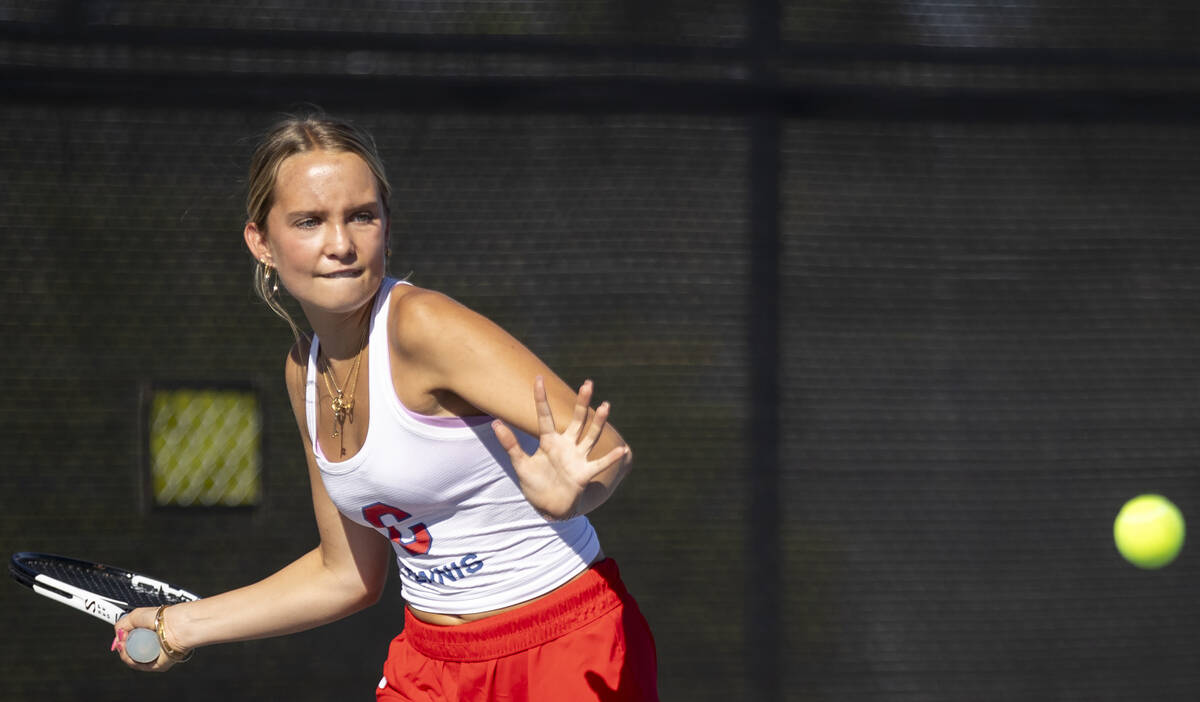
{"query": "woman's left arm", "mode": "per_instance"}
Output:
(580, 457)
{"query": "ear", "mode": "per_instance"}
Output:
(256, 241)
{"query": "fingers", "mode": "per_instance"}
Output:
(579, 429)
(121, 629)
(582, 401)
(508, 441)
(597, 426)
(139, 618)
(544, 415)
(121, 640)
(608, 460)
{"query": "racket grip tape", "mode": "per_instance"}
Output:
(142, 645)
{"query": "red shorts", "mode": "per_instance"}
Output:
(587, 640)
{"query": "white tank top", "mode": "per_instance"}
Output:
(443, 491)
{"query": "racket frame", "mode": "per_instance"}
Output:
(99, 606)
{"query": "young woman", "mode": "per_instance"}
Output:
(432, 433)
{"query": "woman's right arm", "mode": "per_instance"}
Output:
(345, 573)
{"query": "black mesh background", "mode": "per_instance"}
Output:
(1075, 24)
(977, 221)
(672, 21)
(983, 360)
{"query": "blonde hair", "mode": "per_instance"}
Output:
(287, 138)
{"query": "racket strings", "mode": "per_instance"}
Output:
(106, 583)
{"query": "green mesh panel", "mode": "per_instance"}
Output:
(205, 448)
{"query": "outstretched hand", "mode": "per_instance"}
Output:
(555, 477)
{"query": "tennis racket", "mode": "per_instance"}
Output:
(100, 590)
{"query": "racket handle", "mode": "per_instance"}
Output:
(142, 645)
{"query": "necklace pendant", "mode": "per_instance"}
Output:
(340, 408)
(340, 405)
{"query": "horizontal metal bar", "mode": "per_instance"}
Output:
(735, 51)
(265, 40)
(596, 95)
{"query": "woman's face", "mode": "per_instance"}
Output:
(326, 233)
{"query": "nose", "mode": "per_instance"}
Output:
(337, 242)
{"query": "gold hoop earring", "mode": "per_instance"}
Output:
(267, 283)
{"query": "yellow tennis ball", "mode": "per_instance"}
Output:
(1149, 531)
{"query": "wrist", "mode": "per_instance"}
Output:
(170, 645)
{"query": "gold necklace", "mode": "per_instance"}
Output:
(341, 403)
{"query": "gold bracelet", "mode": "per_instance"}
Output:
(160, 627)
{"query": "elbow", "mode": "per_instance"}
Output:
(626, 465)
(369, 598)
(375, 592)
(601, 488)
(371, 592)
(355, 588)
(360, 598)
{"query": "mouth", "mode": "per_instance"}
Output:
(348, 273)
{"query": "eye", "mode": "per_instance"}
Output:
(363, 217)
(307, 223)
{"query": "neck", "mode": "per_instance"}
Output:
(342, 334)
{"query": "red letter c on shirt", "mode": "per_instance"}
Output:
(418, 545)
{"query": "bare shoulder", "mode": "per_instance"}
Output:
(421, 319)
